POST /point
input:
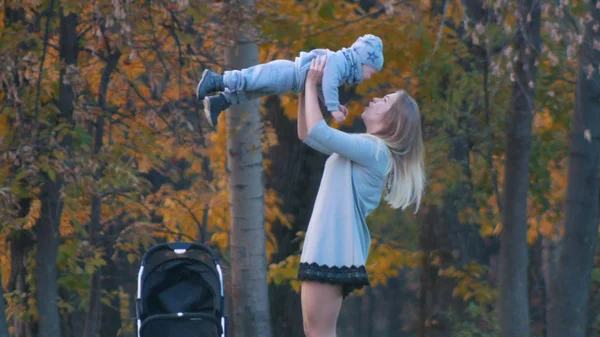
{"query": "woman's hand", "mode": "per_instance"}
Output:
(315, 73)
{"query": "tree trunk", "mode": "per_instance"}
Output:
(570, 287)
(47, 228)
(550, 252)
(112, 278)
(246, 194)
(399, 295)
(426, 288)
(93, 314)
(3, 321)
(512, 262)
(94, 306)
(48, 238)
(537, 290)
(21, 244)
(21, 240)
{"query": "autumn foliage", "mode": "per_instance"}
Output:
(137, 140)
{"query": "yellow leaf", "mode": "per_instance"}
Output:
(131, 258)
(546, 227)
(221, 239)
(532, 235)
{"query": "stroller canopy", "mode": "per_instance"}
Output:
(186, 282)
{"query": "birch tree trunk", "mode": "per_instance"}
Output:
(250, 312)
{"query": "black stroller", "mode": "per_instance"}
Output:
(180, 292)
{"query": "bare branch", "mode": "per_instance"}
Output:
(439, 37)
(198, 222)
(41, 70)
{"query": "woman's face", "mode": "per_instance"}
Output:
(375, 114)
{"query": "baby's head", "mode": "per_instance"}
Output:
(370, 51)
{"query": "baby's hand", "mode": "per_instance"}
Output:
(338, 116)
(343, 110)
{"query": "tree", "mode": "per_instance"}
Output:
(140, 169)
(47, 228)
(513, 301)
(95, 291)
(3, 321)
(570, 286)
(451, 226)
(246, 192)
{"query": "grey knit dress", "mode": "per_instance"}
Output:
(337, 240)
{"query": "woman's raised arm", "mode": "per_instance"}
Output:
(314, 77)
(302, 131)
(364, 150)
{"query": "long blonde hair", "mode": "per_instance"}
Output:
(404, 140)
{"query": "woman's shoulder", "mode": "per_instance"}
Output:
(379, 148)
(372, 139)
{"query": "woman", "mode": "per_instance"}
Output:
(389, 157)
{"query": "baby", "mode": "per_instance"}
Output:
(346, 66)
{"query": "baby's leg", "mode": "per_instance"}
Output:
(272, 78)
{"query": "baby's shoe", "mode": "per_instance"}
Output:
(209, 83)
(213, 105)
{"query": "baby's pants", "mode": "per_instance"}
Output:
(272, 78)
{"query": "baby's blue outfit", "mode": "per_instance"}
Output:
(282, 76)
(336, 245)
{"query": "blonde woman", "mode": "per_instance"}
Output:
(386, 160)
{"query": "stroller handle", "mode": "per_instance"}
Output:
(180, 245)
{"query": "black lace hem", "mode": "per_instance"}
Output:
(351, 278)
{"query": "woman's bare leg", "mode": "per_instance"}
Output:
(321, 304)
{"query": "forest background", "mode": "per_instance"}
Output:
(104, 152)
